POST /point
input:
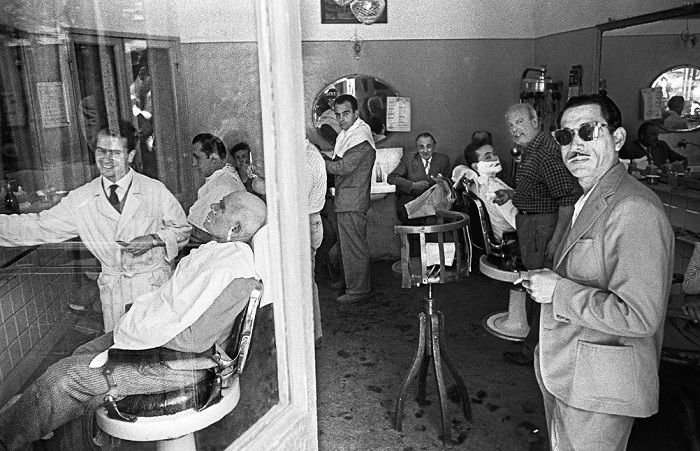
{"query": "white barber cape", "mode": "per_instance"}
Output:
(502, 217)
(157, 317)
(222, 182)
(356, 134)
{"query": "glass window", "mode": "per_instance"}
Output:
(680, 86)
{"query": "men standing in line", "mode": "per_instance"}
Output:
(545, 193)
(220, 179)
(604, 304)
(414, 173)
(352, 164)
(131, 223)
(316, 180)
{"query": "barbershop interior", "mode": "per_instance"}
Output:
(432, 355)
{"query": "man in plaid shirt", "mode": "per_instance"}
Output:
(545, 195)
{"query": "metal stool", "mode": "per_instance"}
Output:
(431, 339)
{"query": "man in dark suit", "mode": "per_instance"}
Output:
(649, 149)
(414, 174)
(352, 164)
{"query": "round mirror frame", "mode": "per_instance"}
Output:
(371, 105)
(691, 118)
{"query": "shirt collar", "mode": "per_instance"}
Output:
(123, 183)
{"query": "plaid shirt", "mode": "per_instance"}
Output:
(543, 184)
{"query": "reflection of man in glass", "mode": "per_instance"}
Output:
(90, 123)
(327, 124)
(674, 120)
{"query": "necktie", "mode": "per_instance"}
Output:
(113, 199)
(427, 167)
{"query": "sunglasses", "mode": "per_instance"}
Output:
(587, 132)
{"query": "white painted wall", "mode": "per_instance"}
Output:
(556, 16)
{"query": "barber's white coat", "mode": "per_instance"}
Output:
(86, 212)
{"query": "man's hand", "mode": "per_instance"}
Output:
(503, 196)
(540, 284)
(139, 245)
(420, 186)
(692, 309)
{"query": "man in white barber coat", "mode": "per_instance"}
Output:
(131, 223)
(603, 306)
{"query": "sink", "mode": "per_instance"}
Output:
(380, 190)
(377, 190)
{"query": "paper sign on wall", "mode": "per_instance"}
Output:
(653, 103)
(398, 114)
(52, 104)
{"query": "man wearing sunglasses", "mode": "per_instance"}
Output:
(603, 306)
(544, 196)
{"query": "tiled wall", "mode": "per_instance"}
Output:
(34, 292)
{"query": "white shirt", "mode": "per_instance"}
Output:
(122, 185)
(580, 203)
(222, 182)
(316, 177)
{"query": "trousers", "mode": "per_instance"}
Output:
(70, 388)
(354, 250)
(572, 429)
(316, 228)
(534, 232)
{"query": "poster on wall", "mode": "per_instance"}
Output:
(52, 104)
(398, 114)
(652, 103)
(332, 13)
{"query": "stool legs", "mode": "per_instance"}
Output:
(431, 346)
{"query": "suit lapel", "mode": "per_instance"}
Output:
(101, 202)
(595, 205)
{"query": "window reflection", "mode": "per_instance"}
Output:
(680, 87)
(63, 89)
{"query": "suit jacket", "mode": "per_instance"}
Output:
(412, 169)
(660, 152)
(353, 177)
(600, 338)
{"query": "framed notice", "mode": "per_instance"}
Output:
(398, 114)
(52, 104)
(652, 103)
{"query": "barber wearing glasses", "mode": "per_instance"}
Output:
(544, 196)
(131, 223)
(603, 305)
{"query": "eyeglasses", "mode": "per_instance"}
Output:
(587, 132)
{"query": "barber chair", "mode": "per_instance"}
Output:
(416, 271)
(171, 418)
(499, 262)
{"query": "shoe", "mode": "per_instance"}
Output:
(353, 298)
(338, 285)
(517, 358)
(76, 307)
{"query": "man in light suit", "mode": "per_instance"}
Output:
(415, 172)
(352, 165)
(603, 306)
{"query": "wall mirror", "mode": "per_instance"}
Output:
(656, 49)
(371, 93)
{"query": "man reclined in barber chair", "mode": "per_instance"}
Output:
(479, 178)
(192, 312)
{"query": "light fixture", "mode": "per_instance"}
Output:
(367, 11)
(356, 45)
(688, 38)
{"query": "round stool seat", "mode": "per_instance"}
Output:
(166, 427)
(493, 272)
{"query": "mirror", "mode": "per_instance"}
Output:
(625, 65)
(680, 87)
(371, 94)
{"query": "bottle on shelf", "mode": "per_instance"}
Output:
(11, 201)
